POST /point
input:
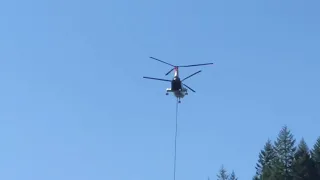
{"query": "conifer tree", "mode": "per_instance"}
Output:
(233, 176)
(316, 156)
(266, 158)
(256, 177)
(303, 165)
(284, 161)
(285, 150)
(223, 175)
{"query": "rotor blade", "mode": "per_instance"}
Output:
(162, 61)
(196, 65)
(190, 75)
(189, 88)
(170, 71)
(157, 79)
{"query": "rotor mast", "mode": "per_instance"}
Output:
(176, 72)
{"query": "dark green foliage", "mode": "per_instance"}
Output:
(303, 166)
(265, 162)
(256, 177)
(283, 160)
(223, 175)
(285, 151)
(316, 151)
(316, 157)
(233, 176)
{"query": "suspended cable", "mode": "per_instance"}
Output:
(175, 141)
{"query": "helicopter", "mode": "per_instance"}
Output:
(178, 88)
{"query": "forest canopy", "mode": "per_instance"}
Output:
(284, 159)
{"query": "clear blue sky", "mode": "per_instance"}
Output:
(74, 105)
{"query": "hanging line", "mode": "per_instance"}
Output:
(175, 142)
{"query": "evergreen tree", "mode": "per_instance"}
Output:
(233, 176)
(264, 165)
(256, 177)
(223, 175)
(285, 150)
(303, 165)
(282, 160)
(316, 156)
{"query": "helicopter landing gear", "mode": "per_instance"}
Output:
(167, 94)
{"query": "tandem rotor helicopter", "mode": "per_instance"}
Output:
(177, 85)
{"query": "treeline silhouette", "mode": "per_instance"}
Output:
(284, 159)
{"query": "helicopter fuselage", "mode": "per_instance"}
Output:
(176, 88)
